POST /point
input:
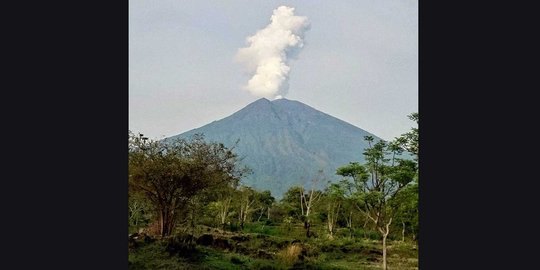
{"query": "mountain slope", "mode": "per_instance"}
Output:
(286, 142)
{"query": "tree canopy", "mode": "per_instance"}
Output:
(170, 174)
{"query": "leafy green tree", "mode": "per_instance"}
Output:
(172, 174)
(265, 200)
(407, 210)
(358, 174)
(223, 204)
(349, 211)
(139, 211)
(292, 202)
(308, 201)
(377, 183)
(301, 203)
(409, 140)
(408, 199)
(388, 181)
(333, 199)
(246, 200)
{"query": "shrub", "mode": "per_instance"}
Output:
(290, 254)
(236, 260)
(264, 265)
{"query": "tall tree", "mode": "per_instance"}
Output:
(333, 200)
(407, 213)
(377, 183)
(223, 205)
(139, 210)
(170, 174)
(388, 181)
(358, 174)
(291, 202)
(247, 199)
(264, 201)
(409, 140)
(308, 199)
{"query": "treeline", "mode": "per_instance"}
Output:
(177, 186)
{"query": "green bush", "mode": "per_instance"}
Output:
(236, 260)
(265, 265)
(359, 233)
(261, 228)
(374, 235)
(153, 256)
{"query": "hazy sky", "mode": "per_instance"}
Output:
(359, 62)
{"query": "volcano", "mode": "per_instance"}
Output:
(286, 143)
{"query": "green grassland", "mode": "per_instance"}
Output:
(267, 247)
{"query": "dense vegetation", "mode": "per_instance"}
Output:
(188, 209)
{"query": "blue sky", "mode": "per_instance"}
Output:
(359, 62)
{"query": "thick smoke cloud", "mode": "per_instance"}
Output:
(267, 53)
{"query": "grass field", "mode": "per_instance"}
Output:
(266, 247)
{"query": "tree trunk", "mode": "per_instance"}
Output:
(241, 216)
(364, 228)
(166, 223)
(166, 220)
(301, 201)
(384, 251)
(161, 223)
(385, 231)
(224, 211)
(403, 232)
(330, 228)
(349, 224)
(260, 216)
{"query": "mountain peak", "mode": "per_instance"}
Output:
(286, 142)
(261, 100)
(257, 105)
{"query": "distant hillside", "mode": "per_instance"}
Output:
(286, 142)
